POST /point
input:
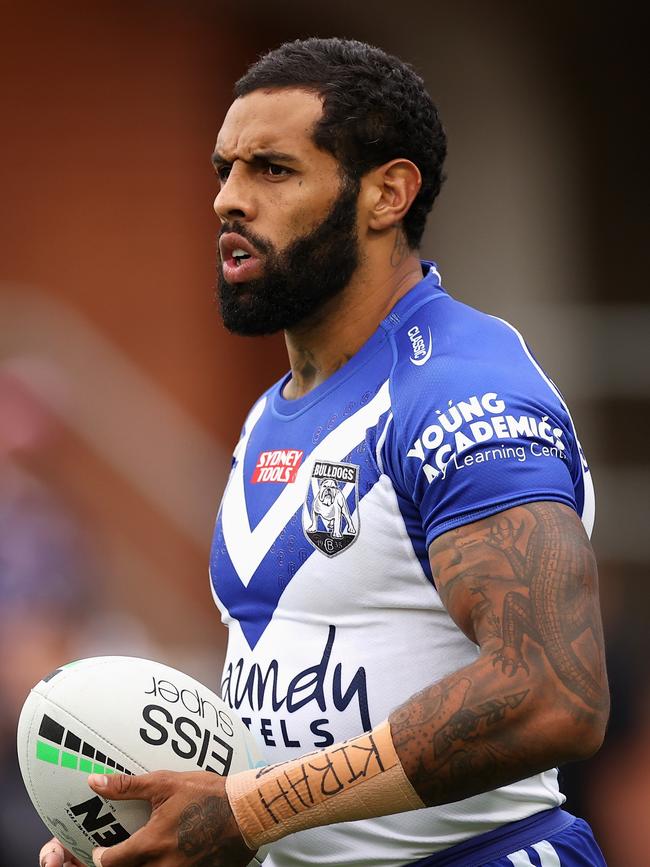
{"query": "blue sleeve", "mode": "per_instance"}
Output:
(480, 431)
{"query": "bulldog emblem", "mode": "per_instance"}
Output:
(330, 516)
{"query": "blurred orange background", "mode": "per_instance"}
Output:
(121, 395)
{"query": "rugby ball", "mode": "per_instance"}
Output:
(120, 714)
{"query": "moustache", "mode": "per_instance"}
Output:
(261, 245)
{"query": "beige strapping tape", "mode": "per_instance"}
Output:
(358, 779)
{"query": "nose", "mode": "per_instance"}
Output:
(235, 199)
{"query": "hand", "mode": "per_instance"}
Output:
(54, 854)
(191, 823)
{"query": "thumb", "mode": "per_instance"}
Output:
(123, 786)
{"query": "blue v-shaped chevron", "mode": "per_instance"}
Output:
(245, 562)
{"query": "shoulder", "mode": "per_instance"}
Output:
(471, 385)
(446, 352)
(433, 339)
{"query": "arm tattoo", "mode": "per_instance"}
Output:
(206, 832)
(522, 585)
(485, 610)
(556, 610)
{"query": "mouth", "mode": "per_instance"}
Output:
(239, 256)
(239, 259)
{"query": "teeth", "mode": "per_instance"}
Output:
(240, 254)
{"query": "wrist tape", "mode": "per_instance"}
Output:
(357, 779)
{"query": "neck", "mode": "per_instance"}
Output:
(319, 347)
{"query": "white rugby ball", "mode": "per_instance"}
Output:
(120, 714)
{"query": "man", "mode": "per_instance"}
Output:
(399, 555)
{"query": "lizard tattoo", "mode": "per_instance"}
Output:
(551, 616)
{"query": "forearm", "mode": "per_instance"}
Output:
(356, 779)
(472, 732)
(480, 728)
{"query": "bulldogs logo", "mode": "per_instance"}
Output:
(332, 497)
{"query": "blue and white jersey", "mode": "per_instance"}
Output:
(319, 561)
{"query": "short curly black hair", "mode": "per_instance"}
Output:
(375, 109)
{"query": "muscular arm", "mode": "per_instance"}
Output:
(522, 585)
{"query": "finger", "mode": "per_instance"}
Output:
(124, 786)
(52, 854)
(150, 787)
(132, 852)
(117, 856)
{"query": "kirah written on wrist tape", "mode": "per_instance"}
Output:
(357, 779)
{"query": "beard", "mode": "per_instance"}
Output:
(298, 281)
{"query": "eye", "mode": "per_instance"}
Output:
(223, 173)
(276, 171)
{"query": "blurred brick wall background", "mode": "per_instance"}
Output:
(121, 395)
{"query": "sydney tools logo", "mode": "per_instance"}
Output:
(279, 465)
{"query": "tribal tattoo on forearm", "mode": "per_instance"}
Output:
(522, 585)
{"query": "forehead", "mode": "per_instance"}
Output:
(278, 120)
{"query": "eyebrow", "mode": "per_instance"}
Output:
(261, 156)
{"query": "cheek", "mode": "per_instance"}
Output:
(304, 219)
(311, 204)
(296, 211)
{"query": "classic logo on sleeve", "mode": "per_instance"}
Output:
(279, 465)
(330, 516)
(421, 351)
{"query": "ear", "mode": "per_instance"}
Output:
(389, 192)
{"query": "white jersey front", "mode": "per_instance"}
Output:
(319, 560)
